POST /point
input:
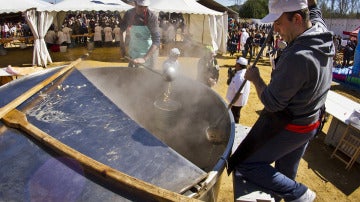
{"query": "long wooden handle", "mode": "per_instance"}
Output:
(17, 119)
(146, 67)
(238, 92)
(23, 97)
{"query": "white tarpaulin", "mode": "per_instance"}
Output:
(84, 5)
(181, 6)
(205, 25)
(89, 5)
(38, 22)
(16, 6)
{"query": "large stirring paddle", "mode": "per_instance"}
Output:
(17, 119)
(213, 133)
(23, 97)
(168, 75)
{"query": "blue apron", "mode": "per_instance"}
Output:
(140, 42)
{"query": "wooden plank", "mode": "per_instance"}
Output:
(17, 101)
(17, 119)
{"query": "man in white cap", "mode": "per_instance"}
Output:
(244, 36)
(235, 82)
(172, 61)
(293, 101)
(144, 34)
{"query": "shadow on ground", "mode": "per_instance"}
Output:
(318, 154)
(23, 57)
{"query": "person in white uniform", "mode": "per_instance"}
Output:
(108, 31)
(98, 35)
(244, 36)
(61, 39)
(234, 85)
(118, 36)
(50, 37)
(172, 61)
(67, 33)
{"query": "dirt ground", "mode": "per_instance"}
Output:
(326, 176)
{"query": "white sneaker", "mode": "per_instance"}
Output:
(308, 196)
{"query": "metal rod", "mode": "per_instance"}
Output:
(237, 95)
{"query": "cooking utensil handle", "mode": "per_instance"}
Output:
(23, 97)
(146, 67)
(237, 94)
(17, 119)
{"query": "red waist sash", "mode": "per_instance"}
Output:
(302, 128)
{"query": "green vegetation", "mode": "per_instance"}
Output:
(330, 8)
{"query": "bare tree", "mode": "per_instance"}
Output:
(343, 6)
(354, 6)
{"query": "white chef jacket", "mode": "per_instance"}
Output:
(234, 86)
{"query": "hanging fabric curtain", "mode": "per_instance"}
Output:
(39, 23)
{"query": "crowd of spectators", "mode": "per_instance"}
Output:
(14, 29)
(103, 28)
(245, 39)
(345, 51)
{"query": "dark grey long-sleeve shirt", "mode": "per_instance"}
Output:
(303, 74)
(148, 19)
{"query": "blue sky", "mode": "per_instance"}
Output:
(226, 2)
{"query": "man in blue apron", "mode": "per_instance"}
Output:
(143, 34)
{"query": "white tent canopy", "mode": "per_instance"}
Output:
(84, 5)
(181, 6)
(16, 6)
(89, 5)
(206, 26)
(57, 11)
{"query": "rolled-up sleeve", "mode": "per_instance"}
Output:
(153, 26)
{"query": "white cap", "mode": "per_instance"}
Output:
(143, 2)
(278, 7)
(242, 61)
(174, 52)
(243, 29)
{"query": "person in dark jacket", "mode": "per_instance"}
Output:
(248, 48)
(293, 101)
(347, 55)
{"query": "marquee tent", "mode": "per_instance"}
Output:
(38, 22)
(89, 5)
(182, 6)
(219, 7)
(84, 5)
(205, 25)
(16, 6)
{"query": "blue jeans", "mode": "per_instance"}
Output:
(286, 150)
